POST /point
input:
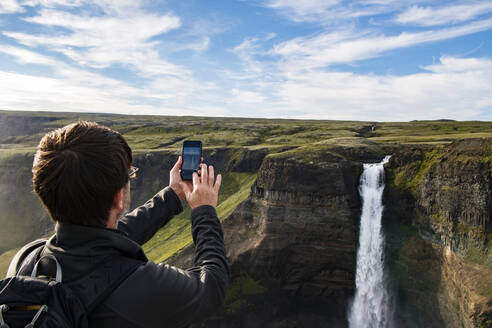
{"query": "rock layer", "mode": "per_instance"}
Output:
(443, 267)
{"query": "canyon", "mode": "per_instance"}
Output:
(291, 219)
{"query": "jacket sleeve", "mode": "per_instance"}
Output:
(165, 295)
(144, 221)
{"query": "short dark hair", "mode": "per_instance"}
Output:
(77, 171)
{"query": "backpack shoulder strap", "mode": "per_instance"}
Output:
(98, 284)
(24, 256)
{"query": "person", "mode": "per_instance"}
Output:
(81, 173)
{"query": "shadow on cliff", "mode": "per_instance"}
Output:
(413, 264)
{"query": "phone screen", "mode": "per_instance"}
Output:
(191, 158)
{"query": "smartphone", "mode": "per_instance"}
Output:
(192, 154)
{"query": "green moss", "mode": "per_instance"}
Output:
(430, 139)
(431, 158)
(173, 237)
(243, 284)
(438, 218)
(486, 286)
(488, 156)
(478, 256)
(239, 288)
(176, 234)
(468, 228)
(467, 159)
(448, 188)
(462, 228)
(411, 176)
(308, 154)
(245, 181)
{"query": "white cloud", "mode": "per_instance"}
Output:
(10, 7)
(24, 56)
(460, 65)
(121, 37)
(108, 6)
(121, 33)
(330, 12)
(246, 51)
(70, 75)
(321, 11)
(455, 89)
(429, 16)
(81, 91)
(53, 3)
(199, 44)
(350, 46)
(97, 94)
(248, 96)
(72, 89)
(197, 34)
(304, 7)
(289, 79)
(21, 91)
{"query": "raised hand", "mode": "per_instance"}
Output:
(203, 191)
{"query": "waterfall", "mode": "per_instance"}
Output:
(370, 307)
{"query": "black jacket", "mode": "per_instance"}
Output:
(155, 295)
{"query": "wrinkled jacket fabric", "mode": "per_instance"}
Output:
(155, 295)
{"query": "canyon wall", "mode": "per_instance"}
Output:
(292, 243)
(22, 216)
(438, 222)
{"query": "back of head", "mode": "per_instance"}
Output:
(77, 171)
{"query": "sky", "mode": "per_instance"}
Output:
(370, 60)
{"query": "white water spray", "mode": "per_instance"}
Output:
(371, 308)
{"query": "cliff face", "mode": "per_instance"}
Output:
(299, 237)
(292, 244)
(23, 217)
(442, 265)
(20, 128)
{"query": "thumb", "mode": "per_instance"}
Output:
(177, 166)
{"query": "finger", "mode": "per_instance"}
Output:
(204, 175)
(200, 169)
(211, 176)
(177, 166)
(201, 160)
(218, 182)
(196, 180)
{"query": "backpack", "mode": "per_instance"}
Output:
(38, 301)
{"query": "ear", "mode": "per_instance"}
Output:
(118, 200)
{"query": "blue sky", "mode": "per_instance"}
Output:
(385, 60)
